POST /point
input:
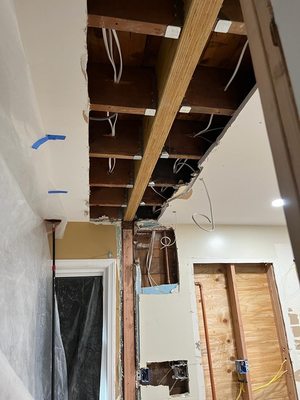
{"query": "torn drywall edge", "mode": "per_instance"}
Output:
(160, 289)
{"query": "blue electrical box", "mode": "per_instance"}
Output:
(242, 367)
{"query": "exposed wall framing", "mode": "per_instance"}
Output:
(247, 324)
(156, 253)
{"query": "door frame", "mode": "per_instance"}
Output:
(107, 269)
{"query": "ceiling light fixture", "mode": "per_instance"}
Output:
(278, 203)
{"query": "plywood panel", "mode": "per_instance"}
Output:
(212, 278)
(260, 331)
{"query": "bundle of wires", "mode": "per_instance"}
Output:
(110, 37)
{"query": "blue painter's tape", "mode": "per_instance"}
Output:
(160, 289)
(57, 191)
(45, 139)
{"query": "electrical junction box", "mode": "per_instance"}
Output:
(242, 367)
(144, 376)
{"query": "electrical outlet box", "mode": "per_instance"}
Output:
(242, 367)
(144, 376)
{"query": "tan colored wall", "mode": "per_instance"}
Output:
(88, 241)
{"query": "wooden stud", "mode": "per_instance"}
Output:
(238, 326)
(134, 94)
(176, 65)
(126, 144)
(129, 368)
(122, 175)
(150, 18)
(282, 339)
(280, 111)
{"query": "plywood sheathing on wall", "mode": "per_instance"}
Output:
(169, 73)
(265, 350)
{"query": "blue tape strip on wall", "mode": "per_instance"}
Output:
(57, 191)
(45, 139)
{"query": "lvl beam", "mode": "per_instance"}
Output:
(176, 65)
(158, 18)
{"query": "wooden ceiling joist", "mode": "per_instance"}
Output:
(151, 198)
(122, 175)
(206, 94)
(159, 18)
(126, 144)
(108, 197)
(231, 18)
(135, 94)
(176, 65)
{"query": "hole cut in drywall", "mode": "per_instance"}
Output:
(156, 253)
(170, 373)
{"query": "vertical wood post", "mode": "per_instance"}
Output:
(129, 367)
(238, 326)
(280, 111)
(282, 339)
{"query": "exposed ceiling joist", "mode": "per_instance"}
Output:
(177, 63)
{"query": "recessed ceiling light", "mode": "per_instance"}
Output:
(278, 203)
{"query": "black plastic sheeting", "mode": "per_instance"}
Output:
(80, 307)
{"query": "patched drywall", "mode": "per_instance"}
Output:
(168, 323)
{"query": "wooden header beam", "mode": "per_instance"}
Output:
(176, 65)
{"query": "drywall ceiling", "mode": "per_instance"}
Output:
(53, 35)
(240, 177)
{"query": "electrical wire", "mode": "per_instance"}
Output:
(240, 391)
(166, 241)
(164, 377)
(149, 259)
(209, 219)
(157, 192)
(180, 163)
(237, 66)
(109, 37)
(207, 128)
(111, 165)
(279, 374)
(107, 118)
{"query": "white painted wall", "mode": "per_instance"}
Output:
(168, 322)
(53, 37)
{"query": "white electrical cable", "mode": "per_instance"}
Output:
(180, 163)
(166, 241)
(149, 258)
(107, 118)
(207, 128)
(111, 165)
(108, 36)
(157, 192)
(237, 66)
(211, 219)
